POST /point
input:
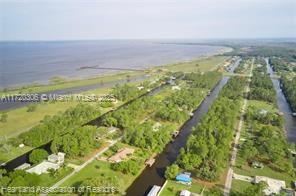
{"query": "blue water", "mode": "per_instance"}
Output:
(23, 63)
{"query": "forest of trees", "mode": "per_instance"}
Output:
(18, 178)
(261, 86)
(126, 92)
(278, 65)
(78, 142)
(289, 89)
(207, 149)
(206, 80)
(57, 125)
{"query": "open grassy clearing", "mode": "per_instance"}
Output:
(239, 187)
(19, 120)
(203, 64)
(103, 168)
(12, 152)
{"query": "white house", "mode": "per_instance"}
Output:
(273, 186)
(176, 88)
(57, 158)
(43, 167)
(54, 161)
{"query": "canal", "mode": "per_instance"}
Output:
(283, 105)
(24, 158)
(154, 175)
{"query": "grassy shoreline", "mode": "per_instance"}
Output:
(185, 66)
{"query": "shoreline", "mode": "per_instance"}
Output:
(69, 79)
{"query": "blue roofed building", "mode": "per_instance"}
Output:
(184, 178)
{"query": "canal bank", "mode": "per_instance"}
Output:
(283, 105)
(24, 158)
(154, 175)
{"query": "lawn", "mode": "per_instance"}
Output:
(262, 105)
(172, 188)
(238, 187)
(202, 64)
(266, 171)
(97, 169)
(49, 179)
(19, 120)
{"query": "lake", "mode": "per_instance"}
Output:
(24, 63)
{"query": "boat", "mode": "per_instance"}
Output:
(154, 191)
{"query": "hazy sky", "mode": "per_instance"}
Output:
(103, 19)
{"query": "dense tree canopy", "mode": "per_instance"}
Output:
(289, 89)
(78, 142)
(261, 86)
(206, 150)
(58, 125)
(38, 155)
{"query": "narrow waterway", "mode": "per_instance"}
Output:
(24, 158)
(283, 105)
(154, 175)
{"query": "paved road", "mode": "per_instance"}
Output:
(80, 167)
(228, 181)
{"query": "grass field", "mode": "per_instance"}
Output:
(12, 153)
(19, 120)
(238, 187)
(203, 64)
(97, 169)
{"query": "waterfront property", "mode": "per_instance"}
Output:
(54, 161)
(121, 154)
(184, 178)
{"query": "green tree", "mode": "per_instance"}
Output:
(172, 171)
(38, 155)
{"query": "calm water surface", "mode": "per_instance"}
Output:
(27, 62)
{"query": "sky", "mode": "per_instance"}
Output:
(146, 19)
